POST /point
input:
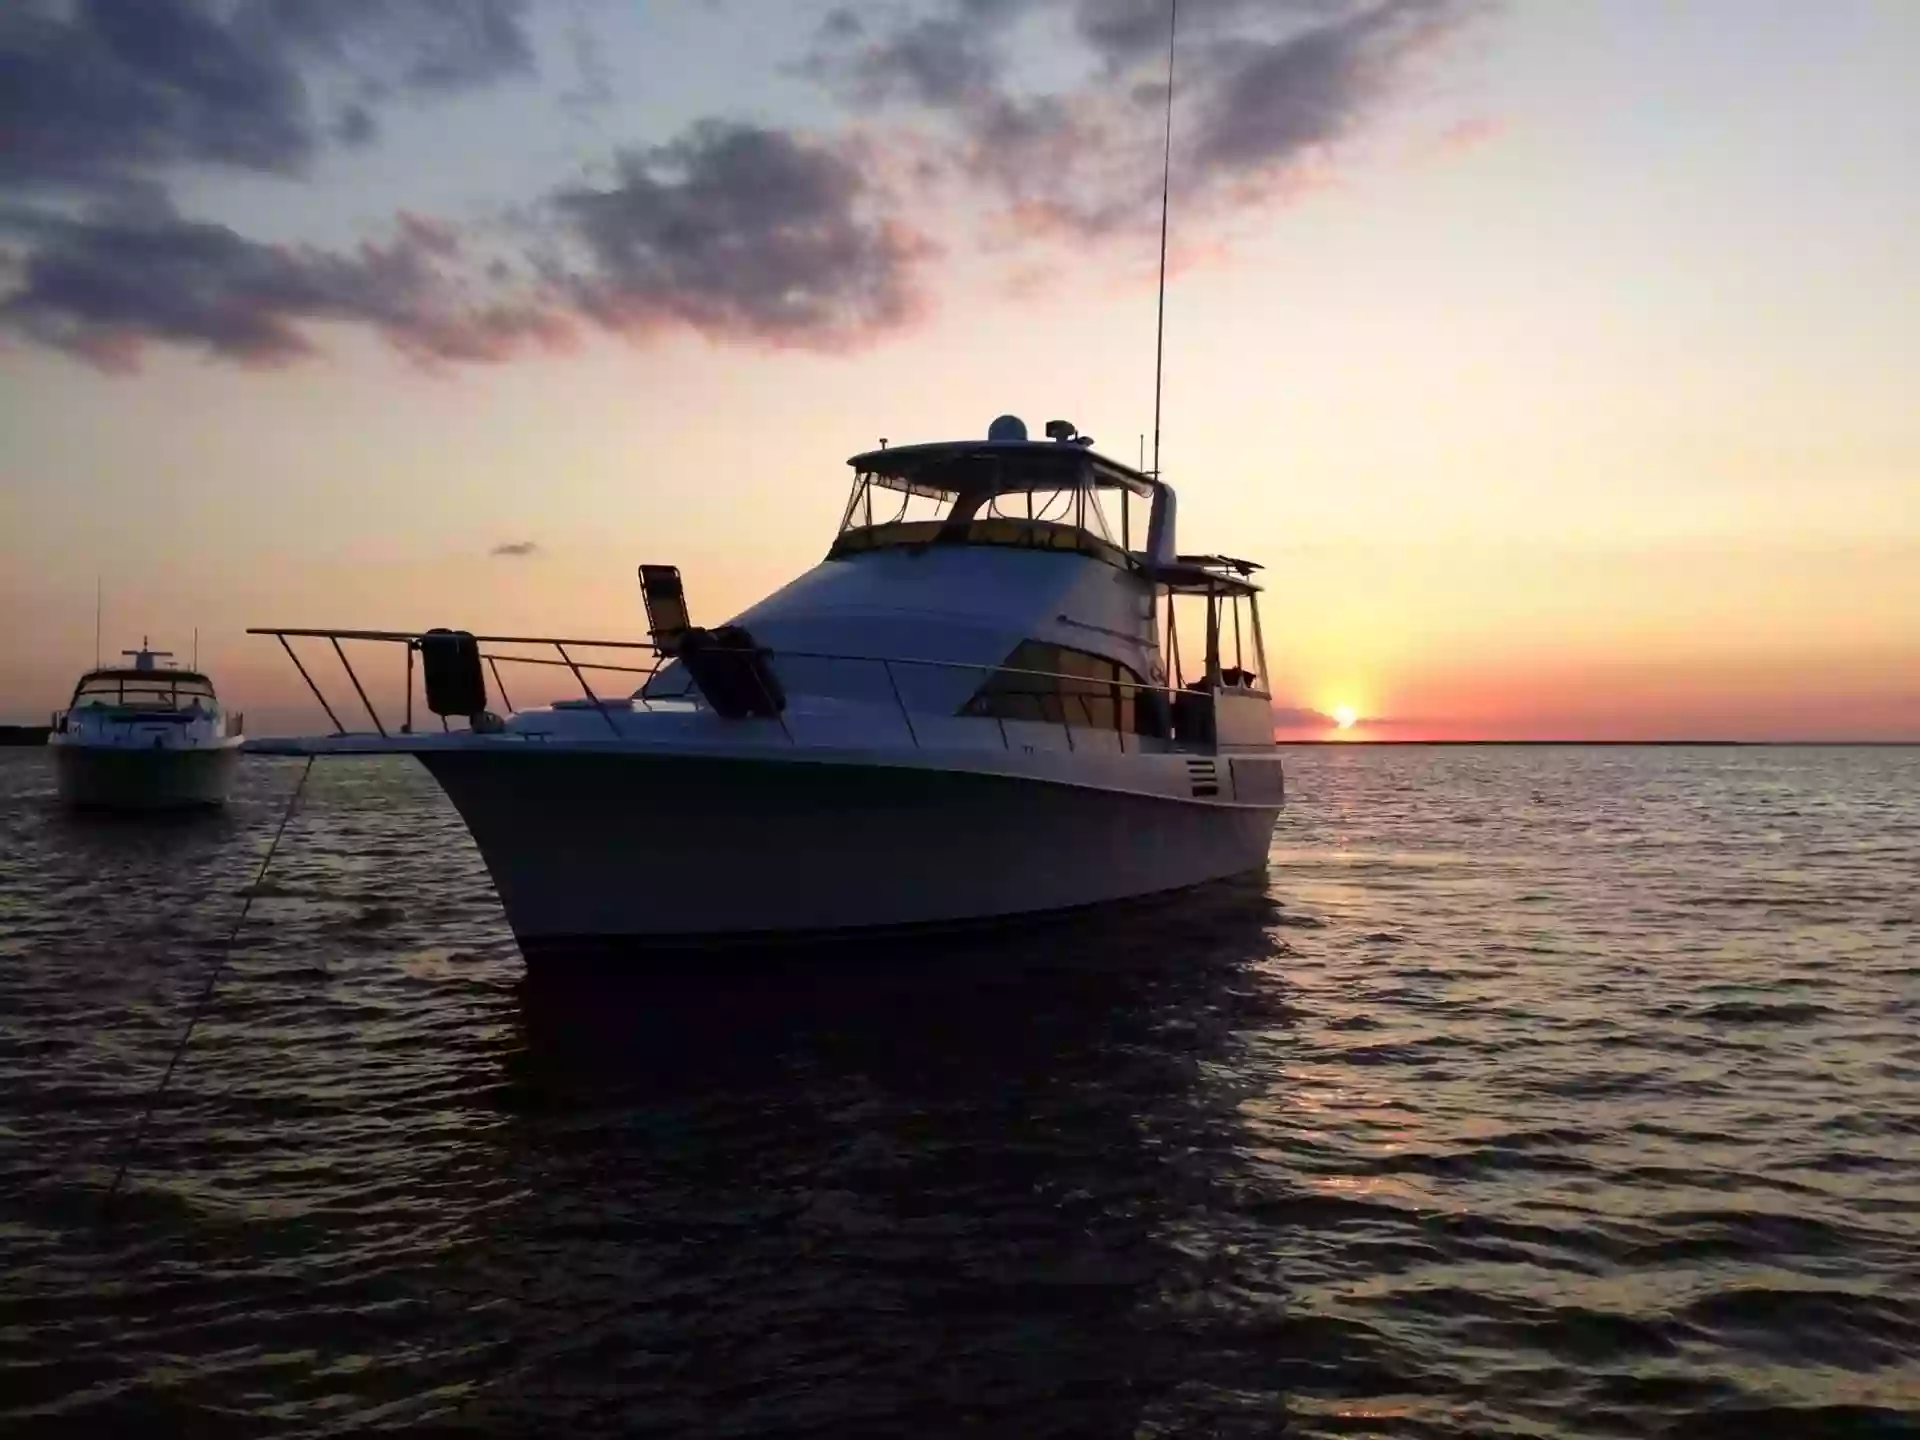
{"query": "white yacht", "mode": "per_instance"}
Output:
(144, 736)
(973, 708)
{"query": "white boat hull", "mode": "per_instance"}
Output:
(678, 848)
(115, 777)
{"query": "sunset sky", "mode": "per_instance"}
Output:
(1560, 359)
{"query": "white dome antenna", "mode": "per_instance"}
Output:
(1007, 427)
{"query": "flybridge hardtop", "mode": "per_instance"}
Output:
(1001, 691)
(1006, 460)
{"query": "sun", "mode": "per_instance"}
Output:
(1345, 717)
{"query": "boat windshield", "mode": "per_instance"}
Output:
(987, 498)
(145, 690)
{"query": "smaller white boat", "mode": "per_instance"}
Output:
(144, 736)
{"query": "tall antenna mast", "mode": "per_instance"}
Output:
(1166, 202)
(96, 621)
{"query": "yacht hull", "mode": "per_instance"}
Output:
(679, 849)
(104, 777)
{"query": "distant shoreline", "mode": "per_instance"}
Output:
(28, 735)
(1643, 744)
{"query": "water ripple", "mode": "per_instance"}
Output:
(1543, 1093)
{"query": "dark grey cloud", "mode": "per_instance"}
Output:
(105, 104)
(594, 82)
(1263, 84)
(99, 93)
(102, 94)
(515, 549)
(1265, 102)
(742, 233)
(938, 60)
(841, 26)
(356, 126)
(417, 45)
(1127, 33)
(1297, 718)
(104, 285)
(737, 232)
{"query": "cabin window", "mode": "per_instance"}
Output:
(144, 690)
(997, 530)
(1060, 686)
(1214, 639)
(889, 512)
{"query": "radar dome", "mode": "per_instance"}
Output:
(1007, 427)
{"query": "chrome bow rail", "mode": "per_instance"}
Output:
(411, 640)
(1091, 690)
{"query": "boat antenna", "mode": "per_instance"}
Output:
(96, 621)
(195, 662)
(1166, 198)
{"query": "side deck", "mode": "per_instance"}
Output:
(1057, 712)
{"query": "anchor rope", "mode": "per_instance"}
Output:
(132, 1150)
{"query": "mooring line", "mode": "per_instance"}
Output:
(206, 996)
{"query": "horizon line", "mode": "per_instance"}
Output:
(1722, 744)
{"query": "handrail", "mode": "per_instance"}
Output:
(338, 728)
(358, 687)
(562, 665)
(399, 635)
(412, 639)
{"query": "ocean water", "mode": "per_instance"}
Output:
(1540, 1092)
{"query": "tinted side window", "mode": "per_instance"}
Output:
(1072, 688)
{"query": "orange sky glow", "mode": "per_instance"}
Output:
(1567, 391)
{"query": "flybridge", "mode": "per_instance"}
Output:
(1005, 490)
(1006, 461)
(1008, 490)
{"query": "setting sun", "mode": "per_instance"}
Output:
(1345, 716)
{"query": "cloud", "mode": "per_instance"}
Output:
(105, 104)
(1264, 103)
(1297, 718)
(594, 85)
(1049, 110)
(938, 60)
(1264, 86)
(424, 46)
(736, 232)
(515, 549)
(103, 286)
(104, 95)
(741, 233)
(1294, 718)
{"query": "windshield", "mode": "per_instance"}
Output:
(882, 513)
(149, 690)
